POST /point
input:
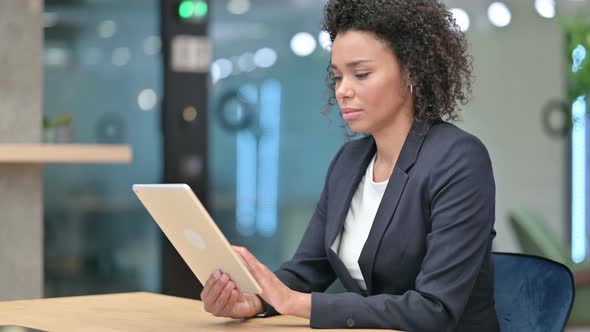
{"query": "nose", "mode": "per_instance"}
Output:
(344, 90)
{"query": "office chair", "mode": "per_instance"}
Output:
(532, 293)
(535, 238)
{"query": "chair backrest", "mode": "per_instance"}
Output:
(534, 236)
(532, 293)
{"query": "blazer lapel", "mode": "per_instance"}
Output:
(345, 187)
(391, 197)
(342, 272)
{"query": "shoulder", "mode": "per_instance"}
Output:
(451, 155)
(447, 141)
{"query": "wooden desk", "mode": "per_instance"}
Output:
(133, 312)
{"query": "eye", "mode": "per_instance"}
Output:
(361, 76)
(335, 77)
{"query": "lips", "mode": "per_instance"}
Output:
(351, 113)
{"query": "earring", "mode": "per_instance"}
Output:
(411, 89)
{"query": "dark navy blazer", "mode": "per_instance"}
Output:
(427, 261)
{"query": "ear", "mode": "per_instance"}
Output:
(407, 76)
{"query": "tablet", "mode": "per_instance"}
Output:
(194, 234)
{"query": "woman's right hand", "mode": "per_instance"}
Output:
(221, 298)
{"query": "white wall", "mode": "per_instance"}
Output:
(21, 200)
(518, 69)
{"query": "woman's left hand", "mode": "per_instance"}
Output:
(274, 291)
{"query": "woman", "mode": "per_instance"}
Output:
(406, 217)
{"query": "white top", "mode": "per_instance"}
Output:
(358, 222)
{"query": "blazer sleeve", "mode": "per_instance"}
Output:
(309, 270)
(462, 202)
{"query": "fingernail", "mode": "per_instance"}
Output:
(217, 274)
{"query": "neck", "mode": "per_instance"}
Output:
(390, 140)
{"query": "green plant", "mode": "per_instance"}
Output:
(46, 122)
(61, 120)
(578, 33)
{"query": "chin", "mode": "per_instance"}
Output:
(359, 128)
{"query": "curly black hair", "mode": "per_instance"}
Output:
(427, 41)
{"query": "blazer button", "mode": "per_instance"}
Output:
(350, 322)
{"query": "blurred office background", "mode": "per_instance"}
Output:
(103, 71)
(269, 140)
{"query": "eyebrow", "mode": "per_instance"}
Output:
(350, 64)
